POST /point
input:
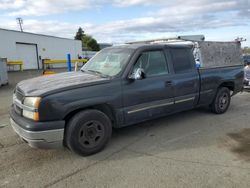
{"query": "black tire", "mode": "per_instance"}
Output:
(221, 101)
(88, 132)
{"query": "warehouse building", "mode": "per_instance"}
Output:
(32, 48)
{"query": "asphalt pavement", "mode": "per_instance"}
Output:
(191, 149)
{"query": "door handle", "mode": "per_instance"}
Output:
(168, 83)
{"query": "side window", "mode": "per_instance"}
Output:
(153, 63)
(181, 60)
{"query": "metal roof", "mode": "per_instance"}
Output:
(34, 34)
(155, 45)
(193, 38)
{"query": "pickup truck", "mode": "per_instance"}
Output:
(118, 87)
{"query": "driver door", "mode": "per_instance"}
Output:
(151, 96)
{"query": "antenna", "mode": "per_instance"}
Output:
(20, 23)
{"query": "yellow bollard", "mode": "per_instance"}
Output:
(76, 66)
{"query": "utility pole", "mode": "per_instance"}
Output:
(20, 23)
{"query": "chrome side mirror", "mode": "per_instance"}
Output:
(137, 74)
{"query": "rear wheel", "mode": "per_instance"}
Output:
(221, 101)
(88, 132)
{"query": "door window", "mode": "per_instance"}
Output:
(153, 63)
(181, 60)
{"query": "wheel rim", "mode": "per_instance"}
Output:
(223, 101)
(91, 133)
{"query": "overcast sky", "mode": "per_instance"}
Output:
(119, 21)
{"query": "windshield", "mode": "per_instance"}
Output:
(108, 62)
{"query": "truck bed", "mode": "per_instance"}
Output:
(212, 78)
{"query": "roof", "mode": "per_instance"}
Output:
(34, 34)
(155, 45)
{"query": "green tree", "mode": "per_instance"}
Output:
(79, 34)
(88, 42)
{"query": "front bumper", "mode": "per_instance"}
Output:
(37, 137)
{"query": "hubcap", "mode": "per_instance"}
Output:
(91, 133)
(223, 101)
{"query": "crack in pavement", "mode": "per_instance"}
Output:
(97, 162)
(186, 161)
(18, 142)
(11, 145)
(11, 163)
(3, 125)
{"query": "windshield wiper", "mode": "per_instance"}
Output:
(98, 72)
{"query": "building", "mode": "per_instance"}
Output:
(31, 48)
(89, 54)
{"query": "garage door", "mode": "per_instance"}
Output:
(28, 54)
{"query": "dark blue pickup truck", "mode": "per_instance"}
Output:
(118, 87)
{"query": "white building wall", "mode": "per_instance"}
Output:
(47, 46)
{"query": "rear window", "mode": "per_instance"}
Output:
(181, 60)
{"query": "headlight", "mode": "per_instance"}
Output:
(32, 102)
(30, 107)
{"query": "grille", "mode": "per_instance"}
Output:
(19, 96)
(18, 110)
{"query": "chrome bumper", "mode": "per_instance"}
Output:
(48, 139)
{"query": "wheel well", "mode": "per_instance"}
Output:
(229, 85)
(105, 108)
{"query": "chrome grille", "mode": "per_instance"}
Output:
(18, 97)
(18, 110)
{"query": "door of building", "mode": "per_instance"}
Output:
(28, 54)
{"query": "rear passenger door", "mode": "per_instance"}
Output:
(185, 78)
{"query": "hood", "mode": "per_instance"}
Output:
(44, 85)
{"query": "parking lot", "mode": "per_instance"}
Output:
(190, 149)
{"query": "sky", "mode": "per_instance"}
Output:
(119, 21)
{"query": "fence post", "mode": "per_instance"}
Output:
(69, 62)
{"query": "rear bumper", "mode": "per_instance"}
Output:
(247, 88)
(246, 85)
(45, 139)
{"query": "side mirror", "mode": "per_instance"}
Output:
(138, 74)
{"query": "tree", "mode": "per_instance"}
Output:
(88, 42)
(79, 34)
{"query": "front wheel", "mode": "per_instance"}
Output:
(88, 132)
(221, 101)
